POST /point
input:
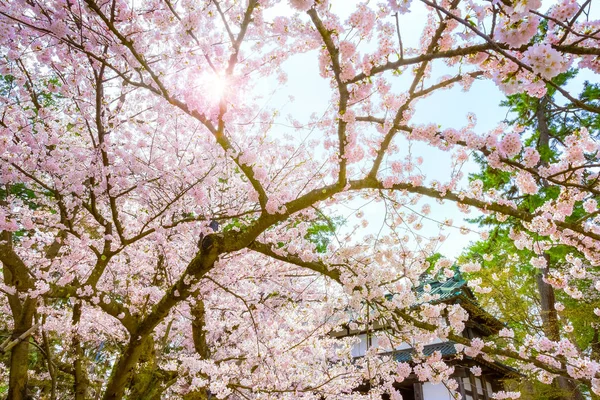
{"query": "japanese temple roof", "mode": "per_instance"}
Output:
(456, 290)
(446, 348)
(443, 290)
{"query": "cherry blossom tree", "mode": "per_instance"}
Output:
(158, 222)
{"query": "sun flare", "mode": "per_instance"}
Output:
(213, 86)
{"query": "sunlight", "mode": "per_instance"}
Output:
(213, 86)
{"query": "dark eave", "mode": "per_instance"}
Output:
(448, 351)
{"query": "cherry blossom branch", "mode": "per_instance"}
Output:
(394, 65)
(334, 53)
(485, 151)
(212, 248)
(462, 199)
(248, 308)
(6, 346)
(499, 49)
(224, 19)
(486, 348)
(319, 267)
(399, 36)
(99, 77)
(412, 96)
(20, 276)
(192, 35)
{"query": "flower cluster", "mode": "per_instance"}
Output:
(545, 61)
(511, 144)
(302, 5)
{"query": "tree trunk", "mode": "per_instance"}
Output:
(212, 246)
(200, 344)
(19, 360)
(550, 325)
(548, 310)
(15, 274)
(568, 390)
(125, 367)
(80, 386)
(19, 355)
(198, 332)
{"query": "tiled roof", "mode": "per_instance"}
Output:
(456, 288)
(446, 348)
(443, 290)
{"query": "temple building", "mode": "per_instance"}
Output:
(480, 324)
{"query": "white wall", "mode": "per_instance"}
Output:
(435, 392)
(359, 349)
